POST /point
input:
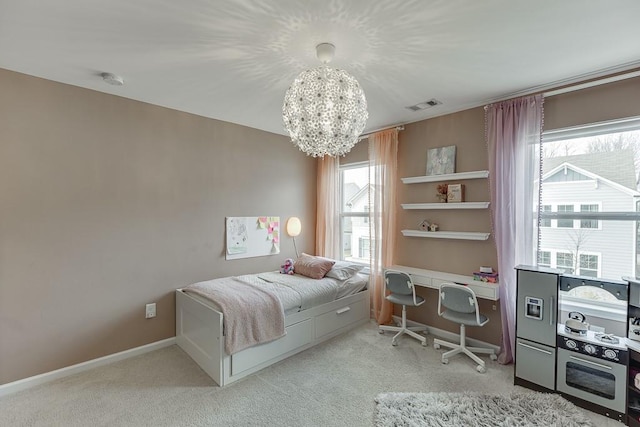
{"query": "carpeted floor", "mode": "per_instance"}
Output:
(477, 410)
(333, 384)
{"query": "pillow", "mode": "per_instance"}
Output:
(314, 267)
(343, 270)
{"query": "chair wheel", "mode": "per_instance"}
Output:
(424, 343)
(380, 331)
(445, 361)
(436, 345)
(481, 369)
(394, 343)
(493, 357)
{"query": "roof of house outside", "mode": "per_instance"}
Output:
(350, 190)
(616, 166)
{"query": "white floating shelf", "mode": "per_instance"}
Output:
(431, 206)
(446, 177)
(462, 235)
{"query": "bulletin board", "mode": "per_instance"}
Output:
(252, 236)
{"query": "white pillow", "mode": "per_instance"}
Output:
(343, 270)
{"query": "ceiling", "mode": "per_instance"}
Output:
(233, 60)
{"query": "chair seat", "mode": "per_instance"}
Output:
(405, 299)
(468, 319)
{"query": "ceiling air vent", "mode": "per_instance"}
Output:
(424, 105)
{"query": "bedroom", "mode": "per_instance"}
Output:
(110, 203)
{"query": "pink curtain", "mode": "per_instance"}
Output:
(383, 170)
(513, 131)
(328, 204)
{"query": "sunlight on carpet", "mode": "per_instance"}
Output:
(476, 410)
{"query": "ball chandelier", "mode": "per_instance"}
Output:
(325, 109)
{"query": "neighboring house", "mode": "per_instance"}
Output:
(594, 182)
(357, 238)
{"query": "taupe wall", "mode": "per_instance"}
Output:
(465, 130)
(108, 204)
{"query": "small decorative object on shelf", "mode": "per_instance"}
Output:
(441, 192)
(433, 227)
(455, 193)
(485, 277)
(424, 225)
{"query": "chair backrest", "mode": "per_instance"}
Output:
(398, 282)
(458, 298)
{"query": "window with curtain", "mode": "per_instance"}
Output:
(589, 201)
(355, 204)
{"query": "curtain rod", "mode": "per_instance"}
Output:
(574, 84)
(366, 135)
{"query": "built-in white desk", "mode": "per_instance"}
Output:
(433, 279)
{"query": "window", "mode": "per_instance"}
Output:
(565, 223)
(364, 247)
(544, 259)
(588, 223)
(589, 265)
(564, 261)
(590, 199)
(545, 222)
(354, 212)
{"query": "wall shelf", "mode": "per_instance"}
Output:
(434, 206)
(461, 235)
(446, 177)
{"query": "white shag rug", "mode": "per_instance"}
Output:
(476, 410)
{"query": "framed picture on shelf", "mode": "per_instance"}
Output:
(455, 193)
(441, 160)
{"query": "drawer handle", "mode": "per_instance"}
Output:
(343, 310)
(535, 348)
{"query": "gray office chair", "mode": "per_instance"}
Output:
(461, 306)
(403, 292)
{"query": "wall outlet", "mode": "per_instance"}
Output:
(494, 307)
(150, 311)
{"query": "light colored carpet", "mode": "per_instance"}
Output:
(333, 384)
(476, 410)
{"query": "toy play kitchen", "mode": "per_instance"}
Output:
(581, 350)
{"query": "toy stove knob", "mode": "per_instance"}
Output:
(589, 349)
(571, 344)
(610, 354)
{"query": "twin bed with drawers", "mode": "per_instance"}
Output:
(230, 338)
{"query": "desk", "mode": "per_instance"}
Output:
(433, 279)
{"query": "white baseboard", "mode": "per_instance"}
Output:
(25, 383)
(449, 336)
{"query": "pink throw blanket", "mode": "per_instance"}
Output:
(251, 315)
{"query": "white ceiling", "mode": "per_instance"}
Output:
(233, 60)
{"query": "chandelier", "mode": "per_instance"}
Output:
(325, 109)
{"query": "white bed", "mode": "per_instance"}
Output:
(315, 312)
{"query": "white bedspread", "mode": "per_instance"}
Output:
(311, 292)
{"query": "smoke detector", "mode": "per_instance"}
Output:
(424, 105)
(112, 79)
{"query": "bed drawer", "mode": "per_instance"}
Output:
(341, 316)
(297, 335)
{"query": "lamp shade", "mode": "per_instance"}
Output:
(294, 227)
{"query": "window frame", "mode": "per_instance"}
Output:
(342, 214)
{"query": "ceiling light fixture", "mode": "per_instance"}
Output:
(112, 79)
(325, 109)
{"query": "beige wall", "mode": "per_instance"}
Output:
(108, 204)
(465, 130)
